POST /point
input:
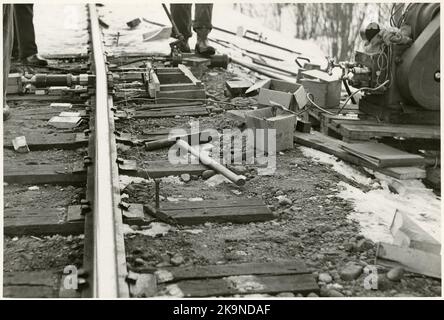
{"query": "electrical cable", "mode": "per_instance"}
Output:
(361, 89)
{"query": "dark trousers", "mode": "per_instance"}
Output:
(8, 34)
(181, 14)
(24, 40)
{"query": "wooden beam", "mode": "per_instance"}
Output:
(367, 131)
(158, 169)
(252, 268)
(232, 210)
(42, 174)
(30, 284)
(318, 141)
(38, 221)
(246, 284)
(410, 259)
(66, 141)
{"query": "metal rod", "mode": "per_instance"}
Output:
(157, 185)
(262, 71)
(237, 179)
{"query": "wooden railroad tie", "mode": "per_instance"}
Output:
(228, 280)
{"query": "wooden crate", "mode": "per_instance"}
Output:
(178, 83)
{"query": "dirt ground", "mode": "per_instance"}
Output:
(312, 224)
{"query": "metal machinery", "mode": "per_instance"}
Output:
(399, 70)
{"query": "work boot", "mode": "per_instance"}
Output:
(35, 60)
(6, 112)
(183, 46)
(202, 46)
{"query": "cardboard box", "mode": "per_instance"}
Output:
(265, 118)
(325, 89)
(291, 95)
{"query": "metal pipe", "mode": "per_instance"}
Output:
(237, 179)
(262, 71)
(108, 239)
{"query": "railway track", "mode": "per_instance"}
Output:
(113, 265)
(104, 271)
(104, 244)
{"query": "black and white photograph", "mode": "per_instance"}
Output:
(227, 150)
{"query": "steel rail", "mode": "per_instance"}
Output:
(109, 266)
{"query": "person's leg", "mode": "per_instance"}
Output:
(181, 14)
(15, 46)
(8, 34)
(24, 14)
(203, 13)
(202, 26)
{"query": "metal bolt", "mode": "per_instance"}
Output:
(157, 188)
(124, 206)
(437, 76)
(87, 161)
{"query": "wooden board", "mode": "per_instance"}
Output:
(193, 111)
(226, 270)
(245, 278)
(30, 284)
(410, 259)
(42, 174)
(38, 221)
(383, 155)
(52, 141)
(158, 169)
(407, 233)
(238, 211)
(229, 286)
(318, 141)
(367, 131)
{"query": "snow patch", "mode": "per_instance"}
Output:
(375, 209)
(155, 229)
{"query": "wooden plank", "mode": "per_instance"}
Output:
(318, 141)
(184, 94)
(364, 132)
(247, 284)
(383, 155)
(406, 233)
(165, 105)
(38, 221)
(30, 284)
(178, 86)
(66, 141)
(237, 203)
(187, 72)
(252, 268)
(158, 169)
(410, 259)
(220, 215)
(194, 112)
(42, 174)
